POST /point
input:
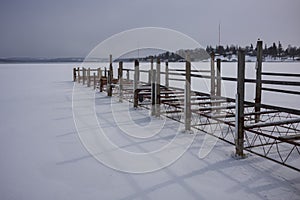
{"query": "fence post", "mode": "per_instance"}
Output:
(135, 83)
(218, 89)
(121, 81)
(153, 95)
(99, 72)
(78, 70)
(118, 76)
(83, 75)
(110, 77)
(219, 79)
(151, 69)
(157, 89)
(105, 72)
(212, 76)
(74, 74)
(167, 75)
(89, 77)
(258, 80)
(187, 95)
(239, 121)
(100, 81)
(94, 81)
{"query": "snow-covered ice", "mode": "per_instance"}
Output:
(42, 157)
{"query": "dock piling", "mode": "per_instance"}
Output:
(258, 80)
(239, 123)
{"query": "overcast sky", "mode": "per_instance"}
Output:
(62, 28)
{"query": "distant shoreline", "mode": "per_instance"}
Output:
(125, 60)
(56, 62)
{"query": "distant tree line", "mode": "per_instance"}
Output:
(170, 56)
(275, 51)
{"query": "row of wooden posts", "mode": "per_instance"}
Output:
(154, 83)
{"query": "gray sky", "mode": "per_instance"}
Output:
(61, 28)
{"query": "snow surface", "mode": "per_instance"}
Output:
(42, 156)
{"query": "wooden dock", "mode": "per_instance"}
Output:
(272, 132)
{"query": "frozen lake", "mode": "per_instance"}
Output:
(42, 156)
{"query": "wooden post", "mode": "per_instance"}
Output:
(74, 74)
(118, 76)
(108, 84)
(187, 95)
(157, 89)
(167, 75)
(78, 71)
(136, 74)
(105, 72)
(135, 83)
(218, 89)
(258, 80)
(212, 77)
(83, 75)
(239, 123)
(89, 77)
(110, 77)
(120, 81)
(100, 80)
(99, 73)
(151, 68)
(153, 95)
(94, 81)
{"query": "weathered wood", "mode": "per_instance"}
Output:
(135, 83)
(74, 74)
(218, 82)
(110, 63)
(120, 81)
(83, 75)
(167, 75)
(153, 95)
(100, 80)
(212, 76)
(89, 77)
(218, 88)
(157, 89)
(258, 80)
(94, 80)
(78, 72)
(151, 70)
(99, 72)
(239, 122)
(187, 95)
(110, 77)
